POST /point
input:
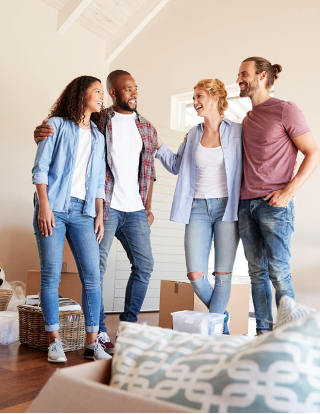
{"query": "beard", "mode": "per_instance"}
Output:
(251, 88)
(124, 105)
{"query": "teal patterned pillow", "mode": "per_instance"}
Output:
(289, 310)
(276, 372)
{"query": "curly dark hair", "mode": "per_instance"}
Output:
(72, 102)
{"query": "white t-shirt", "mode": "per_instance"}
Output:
(125, 154)
(78, 188)
(211, 179)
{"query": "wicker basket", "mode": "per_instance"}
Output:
(5, 296)
(32, 331)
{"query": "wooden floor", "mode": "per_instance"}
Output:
(24, 370)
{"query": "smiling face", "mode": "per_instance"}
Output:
(124, 94)
(203, 103)
(94, 97)
(248, 80)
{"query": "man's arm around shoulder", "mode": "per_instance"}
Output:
(42, 131)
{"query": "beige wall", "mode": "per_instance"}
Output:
(189, 40)
(36, 64)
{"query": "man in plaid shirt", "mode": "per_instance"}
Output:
(130, 147)
(131, 144)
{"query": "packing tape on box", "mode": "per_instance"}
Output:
(176, 287)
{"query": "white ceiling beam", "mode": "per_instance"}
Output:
(69, 14)
(136, 23)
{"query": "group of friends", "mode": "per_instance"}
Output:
(94, 174)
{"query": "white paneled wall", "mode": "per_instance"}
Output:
(166, 238)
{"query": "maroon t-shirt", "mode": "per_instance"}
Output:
(269, 152)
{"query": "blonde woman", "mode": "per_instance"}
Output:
(209, 164)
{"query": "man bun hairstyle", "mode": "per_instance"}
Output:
(264, 65)
(277, 69)
(114, 76)
(215, 87)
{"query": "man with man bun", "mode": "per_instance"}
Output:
(273, 132)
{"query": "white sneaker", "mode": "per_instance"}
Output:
(96, 352)
(106, 343)
(56, 354)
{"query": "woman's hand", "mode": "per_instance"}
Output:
(99, 227)
(159, 142)
(46, 219)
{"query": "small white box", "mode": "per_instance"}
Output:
(198, 322)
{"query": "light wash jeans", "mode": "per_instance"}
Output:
(79, 230)
(266, 233)
(133, 231)
(206, 224)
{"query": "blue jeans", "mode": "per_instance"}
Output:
(266, 233)
(79, 230)
(133, 231)
(206, 224)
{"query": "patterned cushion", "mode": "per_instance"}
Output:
(289, 311)
(279, 371)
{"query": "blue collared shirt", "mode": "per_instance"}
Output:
(184, 164)
(55, 163)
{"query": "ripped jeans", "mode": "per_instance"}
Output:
(206, 225)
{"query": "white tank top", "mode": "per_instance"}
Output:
(78, 188)
(211, 180)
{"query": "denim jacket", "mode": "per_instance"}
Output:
(55, 163)
(184, 164)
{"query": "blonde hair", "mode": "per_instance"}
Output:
(215, 87)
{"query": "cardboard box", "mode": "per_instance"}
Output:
(84, 389)
(70, 285)
(177, 296)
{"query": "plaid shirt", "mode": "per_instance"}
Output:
(147, 170)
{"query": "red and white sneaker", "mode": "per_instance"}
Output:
(106, 343)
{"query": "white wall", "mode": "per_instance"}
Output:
(189, 40)
(186, 41)
(36, 64)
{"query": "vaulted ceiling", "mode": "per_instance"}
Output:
(103, 17)
(116, 22)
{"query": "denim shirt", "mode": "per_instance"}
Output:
(55, 163)
(184, 164)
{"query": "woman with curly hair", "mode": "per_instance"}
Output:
(209, 164)
(69, 174)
